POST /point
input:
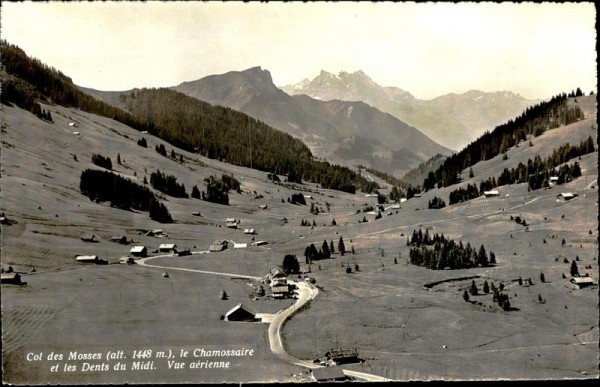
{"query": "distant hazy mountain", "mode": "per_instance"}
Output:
(452, 120)
(351, 132)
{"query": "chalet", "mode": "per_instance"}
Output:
(342, 356)
(240, 245)
(12, 279)
(491, 193)
(328, 374)
(217, 246)
(168, 248)
(307, 197)
(553, 181)
(231, 222)
(90, 238)
(263, 207)
(566, 196)
(90, 259)
(125, 260)
(250, 231)
(582, 282)
(402, 200)
(138, 251)
(241, 313)
(122, 239)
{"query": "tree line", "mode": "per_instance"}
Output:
(122, 193)
(438, 252)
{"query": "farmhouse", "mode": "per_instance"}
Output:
(167, 248)
(328, 374)
(240, 245)
(217, 246)
(553, 181)
(491, 193)
(250, 231)
(582, 282)
(12, 278)
(90, 259)
(241, 313)
(231, 222)
(138, 251)
(342, 356)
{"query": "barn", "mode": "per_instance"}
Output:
(90, 259)
(231, 222)
(167, 248)
(89, 238)
(566, 196)
(342, 356)
(122, 239)
(240, 313)
(491, 193)
(139, 251)
(328, 374)
(582, 282)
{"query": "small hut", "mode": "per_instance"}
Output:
(12, 278)
(217, 246)
(240, 313)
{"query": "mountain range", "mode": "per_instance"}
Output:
(452, 120)
(348, 132)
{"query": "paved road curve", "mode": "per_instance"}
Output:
(306, 293)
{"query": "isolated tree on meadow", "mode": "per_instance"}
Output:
(341, 246)
(542, 277)
(466, 296)
(486, 287)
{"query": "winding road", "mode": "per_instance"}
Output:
(306, 293)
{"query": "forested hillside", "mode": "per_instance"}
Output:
(532, 123)
(215, 132)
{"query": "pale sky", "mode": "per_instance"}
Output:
(428, 49)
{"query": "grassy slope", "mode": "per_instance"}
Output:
(135, 307)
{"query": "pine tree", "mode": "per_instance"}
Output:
(341, 246)
(486, 287)
(574, 269)
(466, 296)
